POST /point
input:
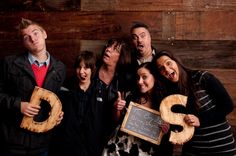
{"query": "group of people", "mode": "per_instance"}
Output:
(95, 98)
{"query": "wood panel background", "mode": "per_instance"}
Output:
(201, 32)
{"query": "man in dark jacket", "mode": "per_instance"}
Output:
(20, 74)
(143, 51)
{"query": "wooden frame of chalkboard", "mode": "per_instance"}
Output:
(143, 123)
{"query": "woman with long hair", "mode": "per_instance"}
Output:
(207, 106)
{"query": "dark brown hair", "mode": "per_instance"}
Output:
(184, 82)
(89, 59)
(157, 93)
(138, 25)
(125, 51)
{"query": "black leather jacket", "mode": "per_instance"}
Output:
(16, 84)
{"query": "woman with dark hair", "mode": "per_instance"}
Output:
(207, 106)
(111, 77)
(148, 94)
(69, 138)
(86, 60)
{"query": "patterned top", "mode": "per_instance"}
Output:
(214, 136)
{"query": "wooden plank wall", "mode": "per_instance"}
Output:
(202, 33)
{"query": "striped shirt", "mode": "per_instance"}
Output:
(214, 136)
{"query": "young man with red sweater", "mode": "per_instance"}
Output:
(20, 74)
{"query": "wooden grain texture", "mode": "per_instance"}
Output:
(176, 118)
(157, 5)
(39, 5)
(117, 5)
(205, 25)
(38, 95)
(102, 25)
(202, 54)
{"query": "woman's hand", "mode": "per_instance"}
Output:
(165, 127)
(192, 120)
(119, 103)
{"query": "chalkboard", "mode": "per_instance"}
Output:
(143, 122)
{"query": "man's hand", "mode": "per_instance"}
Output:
(29, 110)
(60, 118)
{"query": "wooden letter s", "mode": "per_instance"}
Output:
(176, 118)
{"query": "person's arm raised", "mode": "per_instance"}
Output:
(119, 105)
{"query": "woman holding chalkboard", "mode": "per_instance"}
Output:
(207, 107)
(147, 94)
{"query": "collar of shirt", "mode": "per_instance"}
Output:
(149, 59)
(34, 60)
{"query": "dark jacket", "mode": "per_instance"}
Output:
(16, 84)
(100, 123)
(69, 138)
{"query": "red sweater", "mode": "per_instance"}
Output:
(39, 73)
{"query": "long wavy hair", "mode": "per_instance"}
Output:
(124, 62)
(184, 83)
(125, 51)
(157, 93)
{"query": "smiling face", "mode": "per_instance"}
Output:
(145, 80)
(83, 73)
(142, 41)
(34, 39)
(168, 68)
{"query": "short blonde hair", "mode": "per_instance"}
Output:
(24, 23)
